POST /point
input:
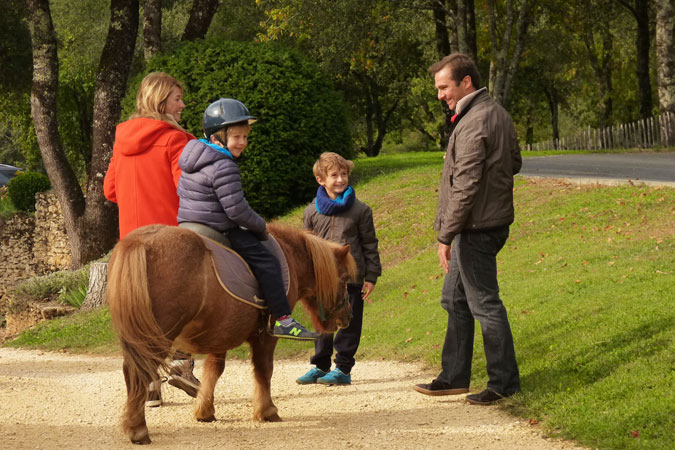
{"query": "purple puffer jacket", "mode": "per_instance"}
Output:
(210, 190)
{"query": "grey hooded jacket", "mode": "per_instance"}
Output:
(210, 191)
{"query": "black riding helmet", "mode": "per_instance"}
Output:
(224, 112)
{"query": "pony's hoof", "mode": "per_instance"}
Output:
(145, 440)
(273, 418)
(211, 418)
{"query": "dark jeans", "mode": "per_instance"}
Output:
(345, 340)
(265, 267)
(471, 292)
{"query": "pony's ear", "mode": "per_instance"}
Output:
(341, 253)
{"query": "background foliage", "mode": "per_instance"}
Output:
(299, 112)
(23, 187)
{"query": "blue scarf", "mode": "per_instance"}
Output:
(329, 207)
(218, 148)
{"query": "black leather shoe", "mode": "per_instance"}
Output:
(487, 397)
(439, 388)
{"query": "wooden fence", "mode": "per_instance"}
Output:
(657, 131)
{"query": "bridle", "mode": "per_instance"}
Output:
(322, 313)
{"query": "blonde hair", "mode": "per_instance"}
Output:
(327, 161)
(222, 133)
(152, 96)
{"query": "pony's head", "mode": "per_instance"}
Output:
(334, 267)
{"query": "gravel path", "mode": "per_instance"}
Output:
(54, 400)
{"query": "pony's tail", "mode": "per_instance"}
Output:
(144, 345)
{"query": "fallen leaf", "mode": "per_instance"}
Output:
(405, 295)
(409, 339)
(534, 422)
(635, 434)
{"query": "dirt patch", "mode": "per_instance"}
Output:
(53, 400)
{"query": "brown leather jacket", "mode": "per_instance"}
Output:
(477, 182)
(354, 227)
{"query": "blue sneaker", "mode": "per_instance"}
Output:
(311, 376)
(337, 377)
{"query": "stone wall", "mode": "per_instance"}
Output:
(33, 244)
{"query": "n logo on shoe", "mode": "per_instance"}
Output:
(295, 331)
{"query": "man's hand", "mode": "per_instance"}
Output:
(367, 289)
(444, 256)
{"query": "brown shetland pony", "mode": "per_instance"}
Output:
(162, 292)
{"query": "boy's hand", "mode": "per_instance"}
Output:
(368, 287)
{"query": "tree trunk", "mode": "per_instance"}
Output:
(43, 110)
(553, 105)
(642, 46)
(602, 67)
(98, 281)
(443, 48)
(90, 224)
(504, 63)
(665, 54)
(441, 29)
(466, 28)
(97, 227)
(200, 19)
(152, 28)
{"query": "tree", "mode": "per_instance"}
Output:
(152, 28)
(665, 54)
(90, 223)
(200, 19)
(372, 59)
(506, 47)
(640, 11)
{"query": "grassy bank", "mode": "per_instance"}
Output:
(587, 278)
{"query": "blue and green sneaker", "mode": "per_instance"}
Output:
(335, 377)
(311, 376)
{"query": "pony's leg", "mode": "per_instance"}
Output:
(262, 356)
(133, 418)
(213, 369)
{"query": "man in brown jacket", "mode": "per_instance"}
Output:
(475, 209)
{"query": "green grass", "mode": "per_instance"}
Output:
(587, 278)
(86, 332)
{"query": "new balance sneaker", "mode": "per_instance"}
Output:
(294, 330)
(154, 394)
(181, 376)
(487, 397)
(437, 387)
(311, 376)
(335, 377)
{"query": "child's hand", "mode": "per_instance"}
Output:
(368, 287)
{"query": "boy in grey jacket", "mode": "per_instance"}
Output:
(337, 215)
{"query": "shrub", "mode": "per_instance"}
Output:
(300, 114)
(23, 187)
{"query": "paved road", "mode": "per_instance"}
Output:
(650, 168)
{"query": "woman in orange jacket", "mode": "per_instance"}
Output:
(143, 172)
(142, 178)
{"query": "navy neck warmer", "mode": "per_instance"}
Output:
(329, 207)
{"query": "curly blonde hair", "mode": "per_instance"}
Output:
(152, 96)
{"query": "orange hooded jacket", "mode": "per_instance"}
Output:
(143, 173)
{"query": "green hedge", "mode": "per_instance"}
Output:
(300, 114)
(23, 187)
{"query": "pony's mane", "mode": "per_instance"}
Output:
(326, 272)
